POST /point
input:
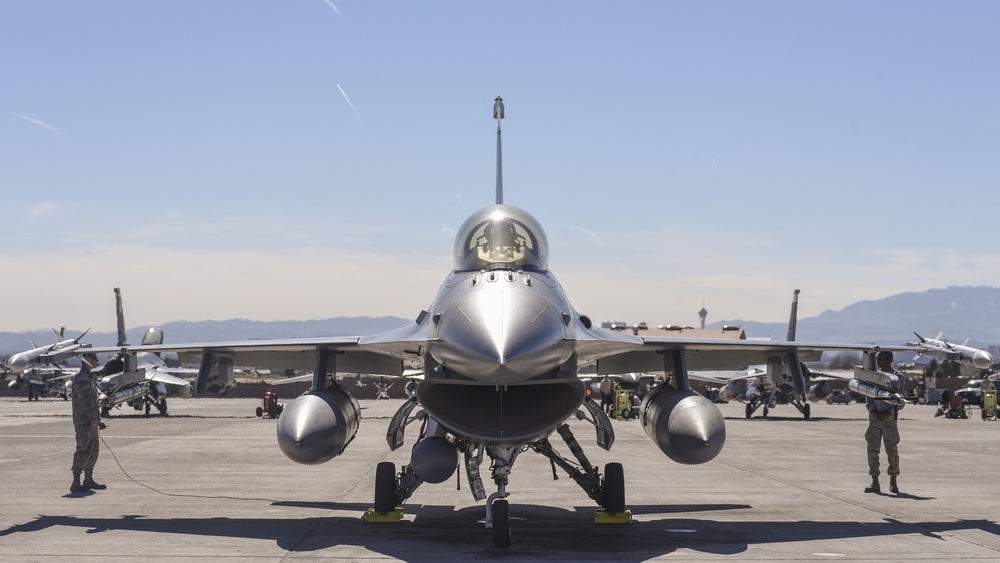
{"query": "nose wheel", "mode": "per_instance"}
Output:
(385, 487)
(501, 523)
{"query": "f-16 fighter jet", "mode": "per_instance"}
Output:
(501, 348)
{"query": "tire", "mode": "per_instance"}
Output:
(385, 487)
(749, 410)
(765, 411)
(806, 411)
(260, 412)
(147, 408)
(613, 495)
(501, 523)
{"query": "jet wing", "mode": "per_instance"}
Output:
(719, 353)
(158, 376)
(386, 353)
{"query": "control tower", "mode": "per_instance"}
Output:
(703, 313)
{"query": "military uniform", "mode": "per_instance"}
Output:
(85, 417)
(882, 428)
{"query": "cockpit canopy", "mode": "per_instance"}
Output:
(501, 236)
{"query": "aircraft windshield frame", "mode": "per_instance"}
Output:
(501, 236)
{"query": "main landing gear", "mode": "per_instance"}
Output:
(756, 402)
(607, 489)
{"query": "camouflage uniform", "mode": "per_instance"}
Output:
(882, 417)
(882, 427)
(85, 414)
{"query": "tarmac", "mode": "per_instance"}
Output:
(208, 483)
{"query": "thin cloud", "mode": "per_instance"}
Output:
(41, 209)
(594, 237)
(332, 7)
(37, 122)
(346, 99)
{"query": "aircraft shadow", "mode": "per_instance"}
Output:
(537, 531)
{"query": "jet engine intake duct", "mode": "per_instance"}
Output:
(319, 425)
(683, 424)
(501, 415)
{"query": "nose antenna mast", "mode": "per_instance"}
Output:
(498, 115)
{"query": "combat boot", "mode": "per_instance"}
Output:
(88, 482)
(77, 487)
(892, 484)
(874, 487)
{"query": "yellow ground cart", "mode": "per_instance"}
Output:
(990, 403)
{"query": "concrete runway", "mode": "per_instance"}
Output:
(209, 483)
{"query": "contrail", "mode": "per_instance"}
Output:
(332, 7)
(344, 94)
(39, 122)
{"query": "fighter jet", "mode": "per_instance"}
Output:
(780, 382)
(501, 348)
(141, 380)
(44, 381)
(946, 351)
(62, 349)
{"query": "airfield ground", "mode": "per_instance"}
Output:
(209, 483)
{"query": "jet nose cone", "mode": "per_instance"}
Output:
(502, 334)
(18, 363)
(982, 359)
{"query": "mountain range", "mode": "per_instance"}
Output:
(958, 312)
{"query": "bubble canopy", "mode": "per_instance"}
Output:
(501, 236)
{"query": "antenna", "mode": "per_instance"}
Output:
(498, 115)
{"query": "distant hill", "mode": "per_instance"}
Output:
(958, 312)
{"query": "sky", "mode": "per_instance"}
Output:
(312, 159)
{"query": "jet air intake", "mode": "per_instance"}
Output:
(683, 424)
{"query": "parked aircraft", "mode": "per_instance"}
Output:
(501, 348)
(143, 379)
(44, 381)
(776, 383)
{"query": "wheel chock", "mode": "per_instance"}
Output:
(371, 515)
(603, 517)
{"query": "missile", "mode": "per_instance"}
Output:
(732, 391)
(869, 390)
(948, 352)
(122, 395)
(819, 391)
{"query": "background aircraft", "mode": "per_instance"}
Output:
(44, 381)
(141, 380)
(782, 381)
(501, 348)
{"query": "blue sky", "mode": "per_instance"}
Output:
(312, 159)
